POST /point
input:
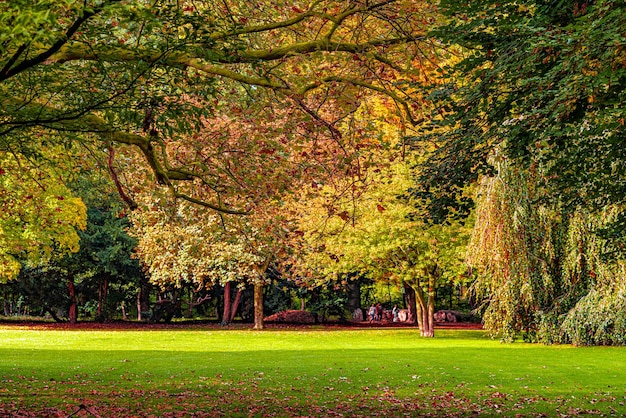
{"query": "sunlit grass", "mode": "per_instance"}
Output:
(365, 372)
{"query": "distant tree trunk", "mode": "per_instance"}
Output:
(53, 314)
(411, 303)
(422, 311)
(227, 304)
(73, 308)
(139, 306)
(103, 291)
(143, 298)
(431, 306)
(233, 310)
(354, 296)
(258, 294)
(258, 305)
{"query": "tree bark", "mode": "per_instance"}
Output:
(426, 312)
(103, 291)
(53, 314)
(431, 306)
(259, 283)
(258, 305)
(409, 293)
(227, 304)
(233, 310)
(354, 296)
(143, 298)
(73, 308)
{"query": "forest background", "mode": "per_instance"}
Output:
(155, 152)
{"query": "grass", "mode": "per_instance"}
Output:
(313, 372)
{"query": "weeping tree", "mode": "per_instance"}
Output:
(539, 269)
(534, 99)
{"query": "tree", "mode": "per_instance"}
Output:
(544, 84)
(142, 73)
(384, 239)
(104, 264)
(535, 101)
(182, 243)
(40, 215)
(539, 269)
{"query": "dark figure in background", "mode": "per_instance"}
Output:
(379, 311)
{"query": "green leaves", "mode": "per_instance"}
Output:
(544, 82)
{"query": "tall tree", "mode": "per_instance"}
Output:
(543, 82)
(539, 269)
(125, 72)
(535, 101)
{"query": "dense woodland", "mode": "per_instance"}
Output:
(231, 159)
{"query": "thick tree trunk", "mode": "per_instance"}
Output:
(233, 310)
(426, 313)
(258, 305)
(227, 304)
(73, 308)
(258, 294)
(411, 304)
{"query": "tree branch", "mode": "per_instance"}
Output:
(54, 48)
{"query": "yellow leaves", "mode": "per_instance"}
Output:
(39, 215)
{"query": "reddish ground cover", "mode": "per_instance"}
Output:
(130, 325)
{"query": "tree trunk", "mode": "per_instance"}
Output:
(143, 298)
(53, 314)
(409, 293)
(73, 308)
(259, 283)
(227, 304)
(258, 305)
(233, 310)
(431, 306)
(354, 296)
(139, 307)
(426, 313)
(103, 291)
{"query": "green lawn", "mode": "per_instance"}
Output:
(315, 372)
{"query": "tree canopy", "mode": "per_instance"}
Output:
(545, 83)
(147, 73)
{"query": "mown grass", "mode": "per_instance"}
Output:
(313, 372)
